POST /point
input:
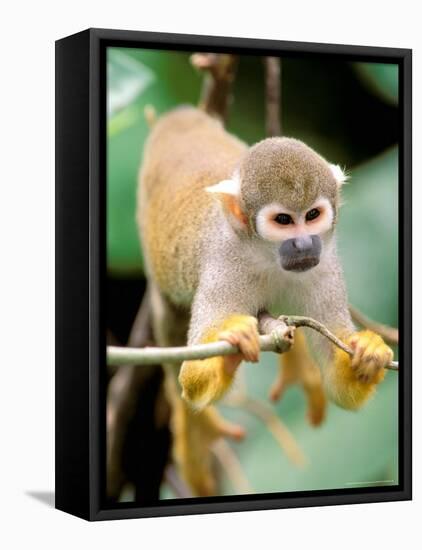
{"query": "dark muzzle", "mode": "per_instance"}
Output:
(300, 254)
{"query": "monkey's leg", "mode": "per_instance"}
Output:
(193, 432)
(298, 367)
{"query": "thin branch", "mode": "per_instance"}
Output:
(273, 96)
(122, 397)
(389, 334)
(278, 341)
(277, 428)
(232, 467)
(111, 341)
(216, 94)
(298, 321)
(141, 330)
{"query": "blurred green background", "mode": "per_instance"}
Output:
(348, 112)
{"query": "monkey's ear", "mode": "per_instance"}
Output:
(229, 192)
(226, 187)
(339, 174)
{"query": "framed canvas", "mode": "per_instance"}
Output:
(222, 202)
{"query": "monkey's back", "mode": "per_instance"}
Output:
(186, 151)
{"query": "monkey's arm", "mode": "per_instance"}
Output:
(349, 382)
(219, 312)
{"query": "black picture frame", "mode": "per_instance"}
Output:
(80, 273)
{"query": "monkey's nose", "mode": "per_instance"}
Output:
(302, 244)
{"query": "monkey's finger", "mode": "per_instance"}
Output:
(257, 347)
(363, 344)
(372, 345)
(233, 338)
(379, 353)
(373, 357)
(230, 337)
(375, 366)
(250, 348)
(252, 337)
(388, 356)
(353, 342)
(248, 351)
(370, 371)
(358, 355)
(373, 374)
(244, 342)
(360, 350)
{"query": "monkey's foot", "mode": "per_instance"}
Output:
(205, 381)
(287, 376)
(352, 381)
(308, 376)
(194, 434)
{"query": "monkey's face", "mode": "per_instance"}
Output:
(290, 195)
(287, 195)
(298, 236)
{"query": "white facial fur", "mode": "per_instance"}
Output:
(270, 230)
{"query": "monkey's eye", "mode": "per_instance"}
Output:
(283, 219)
(312, 214)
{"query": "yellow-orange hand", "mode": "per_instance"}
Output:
(205, 381)
(352, 381)
(241, 331)
(370, 357)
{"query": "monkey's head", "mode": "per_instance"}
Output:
(286, 196)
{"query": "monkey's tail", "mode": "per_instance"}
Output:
(150, 115)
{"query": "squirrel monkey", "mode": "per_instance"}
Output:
(229, 230)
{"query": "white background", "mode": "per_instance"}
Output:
(27, 272)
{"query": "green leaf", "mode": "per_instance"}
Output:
(368, 236)
(126, 79)
(174, 82)
(382, 79)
